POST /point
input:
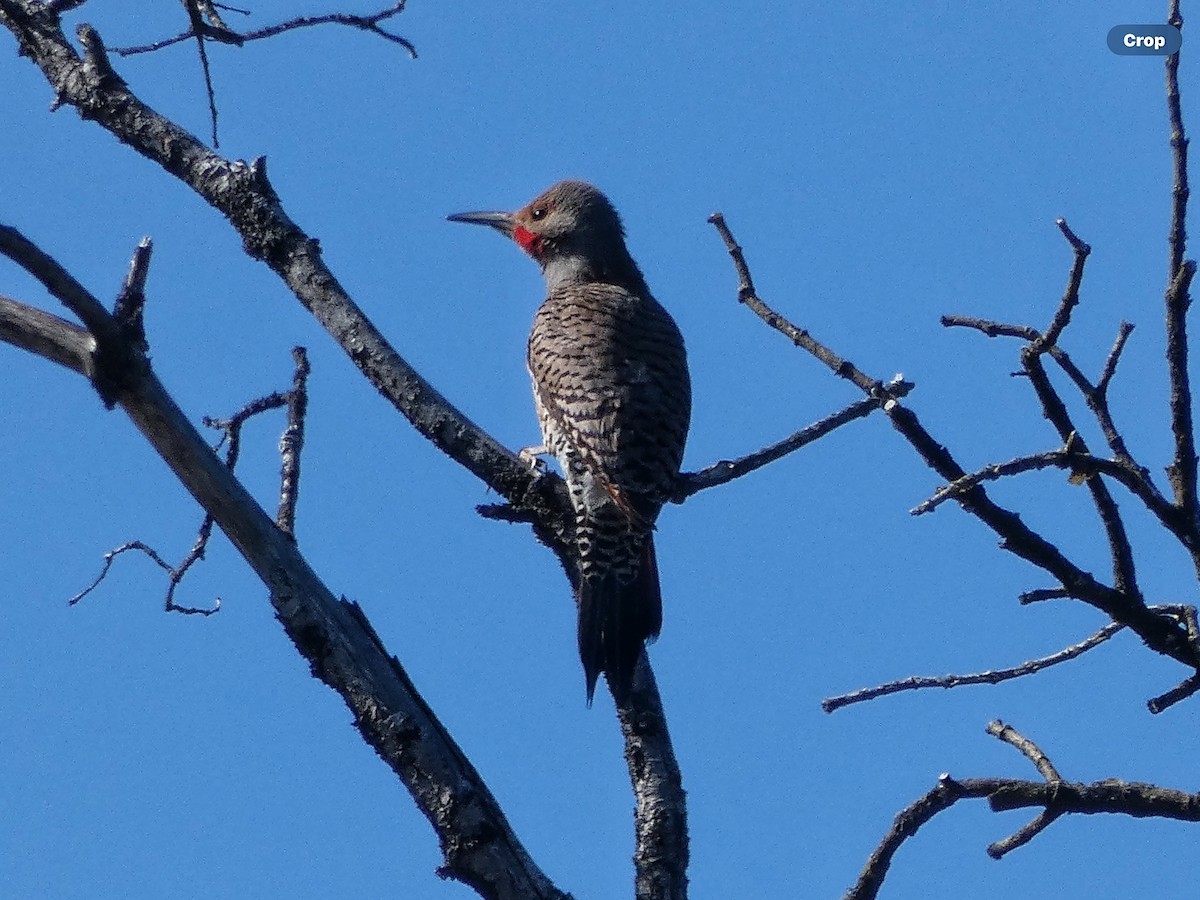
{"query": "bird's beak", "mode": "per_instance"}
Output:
(501, 221)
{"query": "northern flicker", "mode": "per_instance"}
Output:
(613, 400)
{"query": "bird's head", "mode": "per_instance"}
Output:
(572, 222)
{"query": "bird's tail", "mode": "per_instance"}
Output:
(616, 619)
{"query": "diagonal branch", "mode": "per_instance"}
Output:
(478, 844)
(992, 676)
(114, 357)
(843, 368)
(1079, 464)
(1055, 410)
(1123, 468)
(1161, 634)
(243, 194)
(726, 471)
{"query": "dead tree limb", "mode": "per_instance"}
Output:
(478, 844)
(1053, 797)
(1161, 633)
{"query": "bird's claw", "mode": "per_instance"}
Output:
(532, 457)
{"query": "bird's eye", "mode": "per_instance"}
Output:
(537, 213)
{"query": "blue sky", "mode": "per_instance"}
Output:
(880, 170)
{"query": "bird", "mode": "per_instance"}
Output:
(613, 398)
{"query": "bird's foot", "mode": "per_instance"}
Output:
(532, 457)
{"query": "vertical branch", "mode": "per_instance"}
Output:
(1055, 410)
(292, 442)
(1179, 151)
(1179, 276)
(660, 812)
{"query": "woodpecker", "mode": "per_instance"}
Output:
(613, 400)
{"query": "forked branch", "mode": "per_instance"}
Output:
(1161, 633)
(480, 847)
(1053, 796)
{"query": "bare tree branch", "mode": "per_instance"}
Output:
(991, 676)
(175, 574)
(725, 471)
(368, 23)
(1178, 298)
(291, 444)
(1046, 817)
(1054, 796)
(843, 368)
(479, 846)
(244, 195)
(1187, 688)
(1161, 634)
(1110, 363)
(1055, 410)
(112, 359)
(1123, 468)
(660, 811)
(1028, 748)
(1041, 594)
(48, 336)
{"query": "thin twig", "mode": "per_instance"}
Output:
(110, 556)
(196, 10)
(727, 470)
(175, 573)
(1096, 397)
(1081, 466)
(992, 676)
(990, 328)
(368, 23)
(843, 368)
(1182, 613)
(1061, 458)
